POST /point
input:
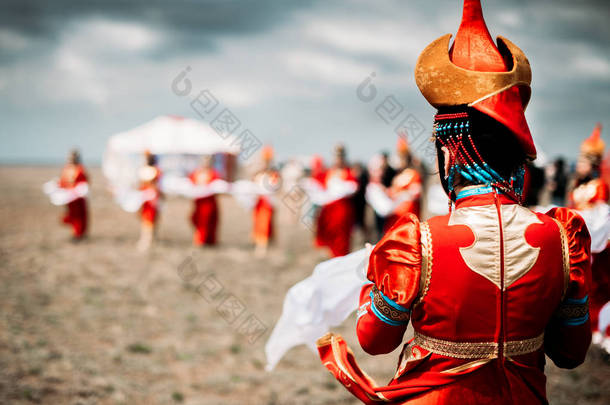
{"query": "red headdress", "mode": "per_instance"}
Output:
(402, 146)
(475, 72)
(594, 145)
(267, 153)
(317, 163)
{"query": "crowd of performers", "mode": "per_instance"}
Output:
(338, 197)
(392, 186)
(341, 194)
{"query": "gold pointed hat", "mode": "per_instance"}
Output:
(475, 72)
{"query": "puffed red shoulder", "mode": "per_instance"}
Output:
(395, 262)
(568, 334)
(579, 243)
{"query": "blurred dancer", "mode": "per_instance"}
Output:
(491, 287)
(534, 184)
(73, 174)
(205, 213)
(362, 177)
(149, 176)
(588, 188)
(318, 171)
(386, 176)
(558, 182)
(336, 218)
(406, 186)
(268, 179)
(589, 192)
(311, 184)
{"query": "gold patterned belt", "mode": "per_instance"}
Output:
(477, 350)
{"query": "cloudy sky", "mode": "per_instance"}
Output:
(72, 73)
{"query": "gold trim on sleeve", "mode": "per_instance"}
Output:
(565, 252)
(426, 261)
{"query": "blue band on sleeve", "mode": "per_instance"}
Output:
(393, 304)
(576, 301)
(576, 321)
(573, 311)
(383, 317)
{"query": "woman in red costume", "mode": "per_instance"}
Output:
(318, 172)
(73, 174)
(590, 190)
(336, 219)
(149, 176)
(491, 287)
(269, 180)
(406, 186)
(205, 213)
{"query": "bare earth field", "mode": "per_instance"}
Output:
(98, 323)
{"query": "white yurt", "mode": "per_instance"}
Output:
(179, 144)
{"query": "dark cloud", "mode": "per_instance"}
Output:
(192, 24)
(40, 17)
(289, 68)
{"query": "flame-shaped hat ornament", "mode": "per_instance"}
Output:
(594, 145)
(402, 146)
(267, 153)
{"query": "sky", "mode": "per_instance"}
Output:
(73, 73)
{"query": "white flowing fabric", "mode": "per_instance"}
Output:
(246, 193)
(131, 200)
(63, 196)
(377, 198)
(604, 317)
(383, 205)
(317, 303)
(602, 339)
(185, 187)
(336, 189)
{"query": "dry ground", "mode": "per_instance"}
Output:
(98, 323)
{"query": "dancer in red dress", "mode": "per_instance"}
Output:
(268, 179)
(73, 174)
(318, 171)
(590, 190)
(406, 187)
(149, 176)
(491, 287)
(205, 213)
(336, 219)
